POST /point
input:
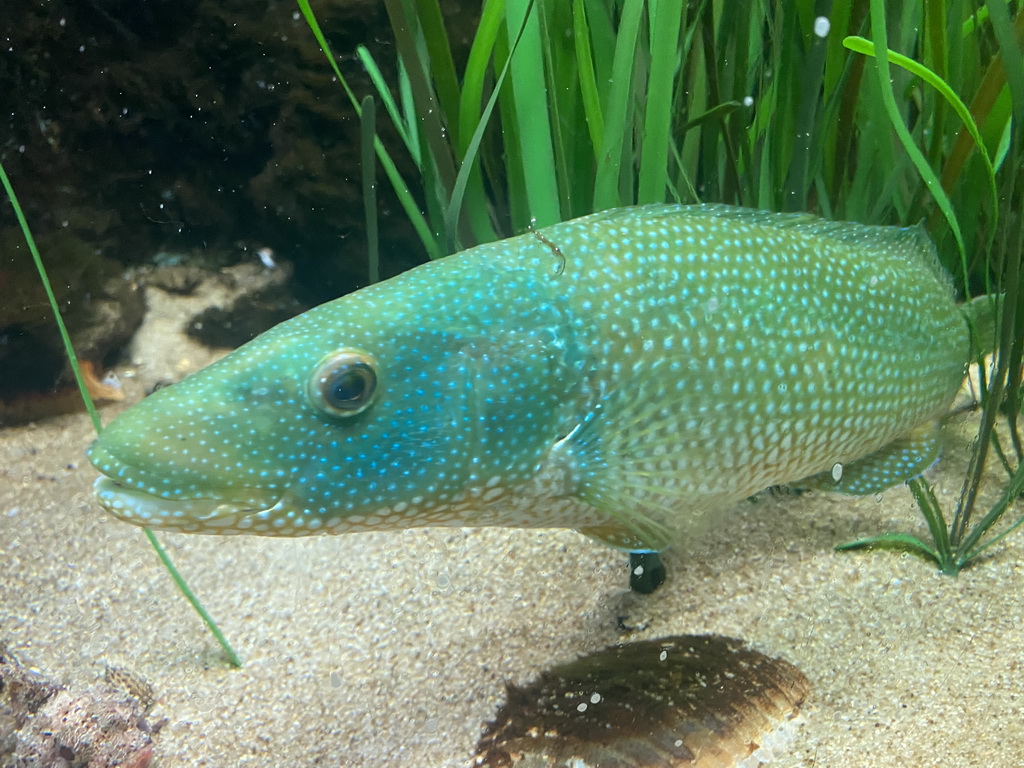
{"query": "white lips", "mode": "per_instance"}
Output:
(247, 508)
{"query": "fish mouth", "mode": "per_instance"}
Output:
(243, 510)
(128, 490)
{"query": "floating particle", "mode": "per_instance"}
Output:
(693, 701)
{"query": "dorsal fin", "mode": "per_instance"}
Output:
(913, 242)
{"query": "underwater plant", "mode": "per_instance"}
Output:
(784, 106)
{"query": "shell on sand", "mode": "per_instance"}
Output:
(692, 701)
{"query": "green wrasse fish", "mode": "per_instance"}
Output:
(622, 374)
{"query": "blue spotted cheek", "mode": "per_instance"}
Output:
(410, 450)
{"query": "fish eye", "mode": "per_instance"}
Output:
(344, 383)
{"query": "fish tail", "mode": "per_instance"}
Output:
(982, 314)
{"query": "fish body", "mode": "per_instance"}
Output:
(622, 374)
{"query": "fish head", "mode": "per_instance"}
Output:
(377, 409)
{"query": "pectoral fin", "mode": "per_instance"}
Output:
(895, 463)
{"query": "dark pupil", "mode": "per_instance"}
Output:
(348, 386)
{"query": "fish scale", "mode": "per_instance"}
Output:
(623, 374)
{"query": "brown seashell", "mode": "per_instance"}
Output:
(693, 701)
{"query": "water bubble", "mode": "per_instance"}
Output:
(837, 472)
(748, 101)
(822, 26)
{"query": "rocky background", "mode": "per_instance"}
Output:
(143, 134)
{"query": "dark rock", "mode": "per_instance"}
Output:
(191, 125)
(50, 726)
(182, 279)
(99, 305)
(260, 300)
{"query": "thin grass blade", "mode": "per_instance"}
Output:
(932, 512)
(405, 198)
(931, 181)
(469, 161)
(900, 541)
(428, 109)
(176, 576)
(666, 17)
(536, 154)
(866, 47)
(389, 102)
(812, 74)
(442, 67)
(471, 191)
(607, 193)
(62, 329)
(587, 78)
(1009, 496)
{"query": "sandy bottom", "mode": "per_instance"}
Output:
(391, 649)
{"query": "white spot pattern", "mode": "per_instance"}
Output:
(681, 359)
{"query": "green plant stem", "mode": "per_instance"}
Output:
(408, 137)
(866, 47)
(405, 197)
(812, 75)
(666, 17)
(1011, 492)
(616, 107)
(928, 176)
(61, 327)
(469, 162)
(587, 79)
(932, 511)
(442, 66)
(191, 597)
(94, 415)
(536, 153)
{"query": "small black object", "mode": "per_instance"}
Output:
(646, 572)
